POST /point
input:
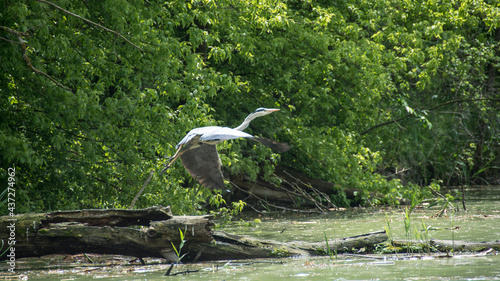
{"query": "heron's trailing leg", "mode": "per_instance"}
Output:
(176, 155)
(173, 158)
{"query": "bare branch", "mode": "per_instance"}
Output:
(91, 22)
(142, 189)
(10, 41)
(13, 31)
(20, 36)
(429, 109)
(273, 205)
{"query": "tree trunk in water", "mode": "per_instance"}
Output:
(141, 233)
(244, 247)
(449, 245)
(153, 232)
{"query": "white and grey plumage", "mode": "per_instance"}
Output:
(198, 151)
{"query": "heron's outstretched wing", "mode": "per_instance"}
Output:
(220, 134)
(274, 145)
(203, 163)
(199, 154)
(212, 135)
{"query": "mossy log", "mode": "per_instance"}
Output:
(449, 245)
(153, 232)
(246, 247)
(147, 232)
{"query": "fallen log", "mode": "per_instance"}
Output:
(111, 217)
(449, 245)
(153, 232)
(295, 187)
(246, 247)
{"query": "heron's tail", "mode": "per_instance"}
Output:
(274, 145)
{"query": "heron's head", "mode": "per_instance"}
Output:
(257, 113)
(261, 111)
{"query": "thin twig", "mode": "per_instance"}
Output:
(169, 269)
(15, 32)
(273, 205)
(10, 41)
(198, 255)
(151, 173)
(177, 154)
(91, 22)
(315, 190)
(20, 36)
(301, 193)
(443, 197)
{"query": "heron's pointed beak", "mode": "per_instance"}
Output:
(272, 109)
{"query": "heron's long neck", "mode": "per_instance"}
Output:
(245, 123)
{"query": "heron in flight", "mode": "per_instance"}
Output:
(198, 151)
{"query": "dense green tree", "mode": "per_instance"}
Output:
(95, 94)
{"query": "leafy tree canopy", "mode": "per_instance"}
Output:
(95, 94)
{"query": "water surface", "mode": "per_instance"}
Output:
(480, 223)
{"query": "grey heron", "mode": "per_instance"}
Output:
(198, 151)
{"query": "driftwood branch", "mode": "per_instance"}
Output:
(265, 195)
(449, 245)
(110, 217)
(91, 22)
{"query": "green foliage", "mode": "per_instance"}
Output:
(448, 88)
(100, 112)
(2, 244)
(424, 236)
(225, 214)
(332, 254)
(407, 223)
(124, 111)
(179, 251)
(388, 229)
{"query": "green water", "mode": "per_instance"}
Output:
(482, 268)
(480, 223)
